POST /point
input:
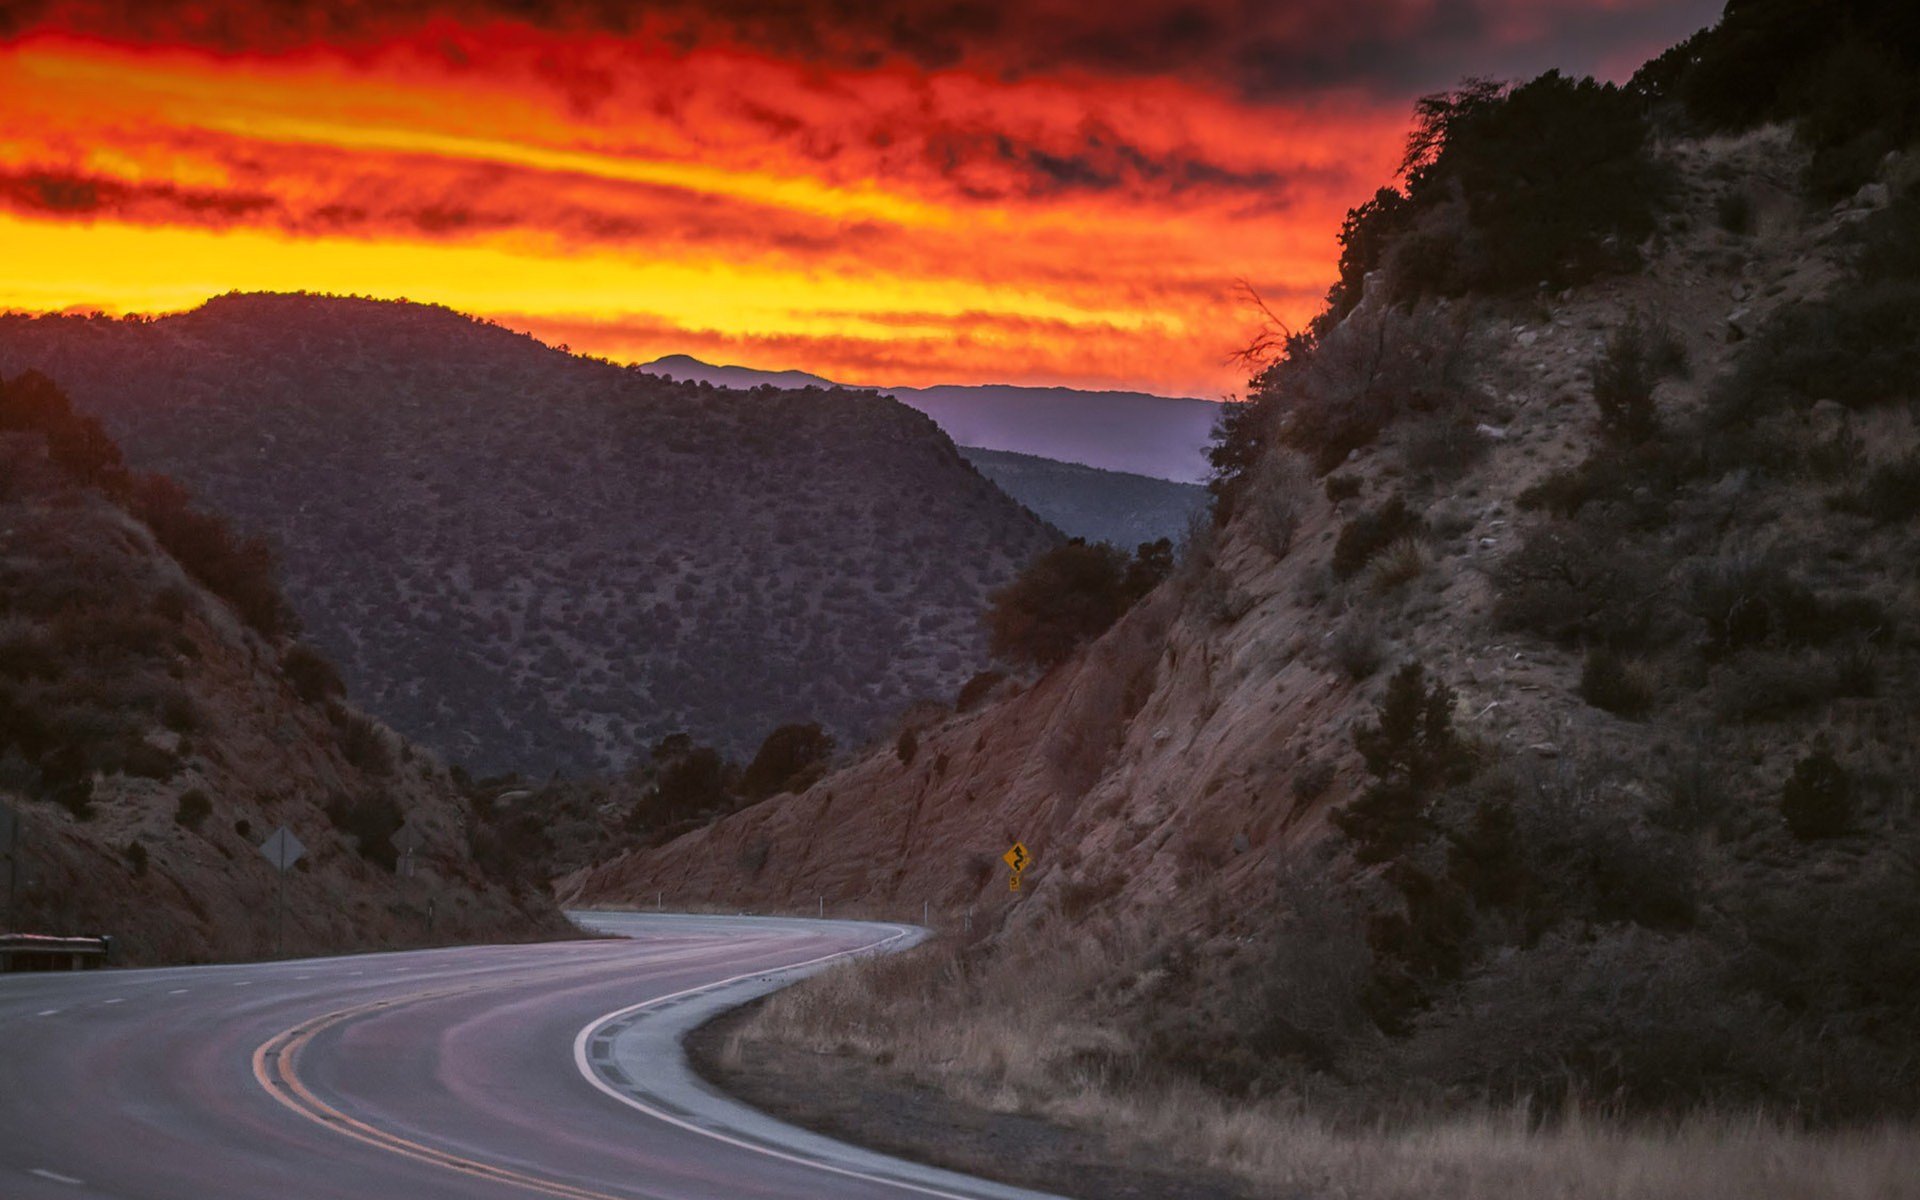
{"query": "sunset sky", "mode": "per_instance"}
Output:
(880, 191)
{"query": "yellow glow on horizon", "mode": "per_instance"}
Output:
(892, 224)
(119, 269)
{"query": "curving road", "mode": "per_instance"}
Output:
(491, 1071)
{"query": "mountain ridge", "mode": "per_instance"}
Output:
(1162, 437)
(530, 560)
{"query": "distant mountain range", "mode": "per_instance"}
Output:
(1086, 502)
(535, 561)
(1158, 436)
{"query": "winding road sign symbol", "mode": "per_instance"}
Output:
(1017, 858)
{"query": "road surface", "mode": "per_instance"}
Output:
(461, 1074)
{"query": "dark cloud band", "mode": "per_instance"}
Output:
(1256, 48)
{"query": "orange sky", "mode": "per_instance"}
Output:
(869, 202)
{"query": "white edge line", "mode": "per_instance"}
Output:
(43, 1173)
(586, 1069)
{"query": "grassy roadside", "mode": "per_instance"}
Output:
(1008, 1038)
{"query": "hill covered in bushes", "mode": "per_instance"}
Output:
(159, 720)
(532, 561)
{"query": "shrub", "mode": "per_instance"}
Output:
(1342, 487)
(1615, 685)
(1747, 601)
(1487, 857)
(1307, 1006)
(313, 678)
(1859, 346)
(1817, 800)
(170, 604)
(1572, 584)
(1355, 648)
(1332, 394)
(1412, 736)
(78, 445)
(1856, 669)
(906, 746)
(1637, 357)
(1152, 562)
(76, 796)
(1312, 779)
(1403, 561)
(1385, 821)
(1410, 749)
(1064, 598)
(976, 690)
(179, 713)
(1734, 211)
(191, 808)
(239, 570)
(1762, 685)
(362, 743)
(1371, 532)
(1549, 181)
(137, 856)
(371, 821)
(1444, 448)
(692, 780)
(1241, 438)
(790, 759)
(1891, 492)
(1279, 499)
(143, 760)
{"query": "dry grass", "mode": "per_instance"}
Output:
(1402, 562)
(1012, 1034)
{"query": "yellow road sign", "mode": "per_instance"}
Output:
(1017, 858)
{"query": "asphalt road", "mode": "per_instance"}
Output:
(491, 1071)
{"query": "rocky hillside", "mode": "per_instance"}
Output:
(532, 561)
(157, 723)
(1540, 718)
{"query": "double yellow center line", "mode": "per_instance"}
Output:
(275, 1067)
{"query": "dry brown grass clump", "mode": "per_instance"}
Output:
(1014, 1033)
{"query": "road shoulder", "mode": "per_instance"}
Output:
(869, 1106)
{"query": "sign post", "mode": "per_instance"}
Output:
(406, 840)
(282, 849)
(1019, 860)
(10, 842)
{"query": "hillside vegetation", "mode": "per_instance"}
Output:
(1534, 733)
(158, 722)
(531, 561)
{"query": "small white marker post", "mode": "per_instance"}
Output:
(282, 850)
(406, 840)
(10, 831)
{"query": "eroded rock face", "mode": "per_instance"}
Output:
(1169, 775)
